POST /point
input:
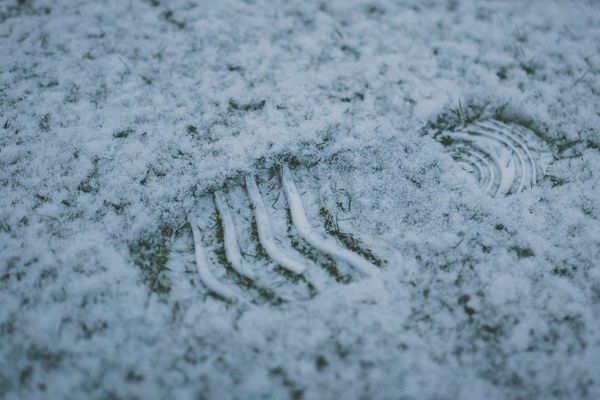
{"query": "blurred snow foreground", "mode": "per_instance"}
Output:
(403, 198)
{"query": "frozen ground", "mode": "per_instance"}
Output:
(118, 119)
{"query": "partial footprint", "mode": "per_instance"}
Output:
(504, 158)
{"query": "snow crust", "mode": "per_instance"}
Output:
(119, 118)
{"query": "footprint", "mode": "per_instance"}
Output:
(504, 158)
(320, 259)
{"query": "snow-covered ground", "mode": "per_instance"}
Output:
(120, 118)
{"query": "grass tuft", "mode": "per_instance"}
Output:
(251, 106)
(151, 253)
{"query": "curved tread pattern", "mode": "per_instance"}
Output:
(326, 245)
(211, 283)
(232, 249)
(265, 235)
(504, 158)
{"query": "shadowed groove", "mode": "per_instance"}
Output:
(232, 249)
(229, 254)
(514, 151)
(483, 157)
(323, 260)
(323, 244)
(513, 133)
(265, 235)
(475, 161)
(211, 283)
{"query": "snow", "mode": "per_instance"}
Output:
(119, 118)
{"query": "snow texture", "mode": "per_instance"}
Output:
(119, 120)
